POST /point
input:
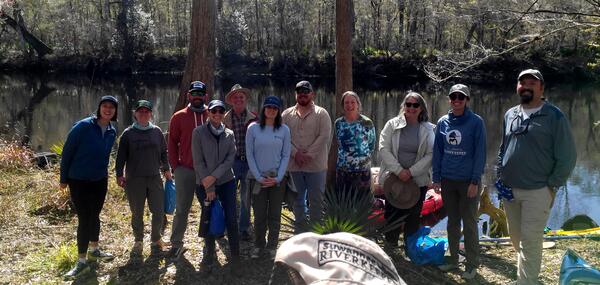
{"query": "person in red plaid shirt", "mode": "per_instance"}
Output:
(238, 119)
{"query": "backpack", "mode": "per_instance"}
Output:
(423, 249)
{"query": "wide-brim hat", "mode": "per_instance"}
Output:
(402, 195)
(236, 88)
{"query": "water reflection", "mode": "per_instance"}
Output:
(44, 109)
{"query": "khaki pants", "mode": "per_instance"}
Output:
(527, 215)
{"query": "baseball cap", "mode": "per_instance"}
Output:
(143, 104)
(460, 88)
(532, 72)
(272, 101)
(216, 103)
(198, 86)
(337, 258)
(304, 84)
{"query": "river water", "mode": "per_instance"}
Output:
(42, 110)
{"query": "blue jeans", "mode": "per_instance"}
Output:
(240, 169)
(226, 194)
(311, 184)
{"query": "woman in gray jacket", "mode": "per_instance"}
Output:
(143, 154)
(405, 150)
(213, 150)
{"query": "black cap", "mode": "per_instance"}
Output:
(112, 99)
(198, 86)
(304, 85)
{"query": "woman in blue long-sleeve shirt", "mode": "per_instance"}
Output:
(268, 148)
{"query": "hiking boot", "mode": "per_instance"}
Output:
(448, 267)
(245, 236)
(138, 248)
(176, 252)
(469, 273)
(256, 253)
(235, 268)
(97, 254)
(157, 248)
(79, 269)
(208, 256)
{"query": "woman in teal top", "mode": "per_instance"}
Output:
(356, 141)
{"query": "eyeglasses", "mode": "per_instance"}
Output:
(518, 126)
(412, 105)
(303, 91)
(217, 110)
(197, 93)
(458, 96)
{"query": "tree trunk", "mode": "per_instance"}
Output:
(257, 27)
(401, 11)
(124, 23)
(200, 62)
(40, 47)
(344, 23)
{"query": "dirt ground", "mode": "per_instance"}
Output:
(33, 233)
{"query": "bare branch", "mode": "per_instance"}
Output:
(519, 20)
(543, 11)
(438, 79)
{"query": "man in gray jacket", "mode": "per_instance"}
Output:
(536, 157)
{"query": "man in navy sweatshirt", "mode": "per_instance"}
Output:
(536, 156)
(458, 163)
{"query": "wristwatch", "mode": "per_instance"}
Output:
(474, 182)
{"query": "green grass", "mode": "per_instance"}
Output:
(58, 260)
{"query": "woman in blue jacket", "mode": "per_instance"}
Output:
(458, 163)
(84, 168)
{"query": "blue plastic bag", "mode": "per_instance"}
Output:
(423, 249)
(170, 196)
(217, 219)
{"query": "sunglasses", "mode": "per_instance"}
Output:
(412, 105)
(519, 126)
(197, 93)
(217, 110)
(302, 91)
(458, 96)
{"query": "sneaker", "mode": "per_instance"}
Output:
(245, 236)
(208, 259)
(469, 273)
(97, 254)
(256, 253)
(79, 269)
(176, 252)
(448, 267)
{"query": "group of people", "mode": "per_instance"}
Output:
(215, 153)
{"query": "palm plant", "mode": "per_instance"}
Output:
(348, 211)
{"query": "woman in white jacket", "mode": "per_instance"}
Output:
(405, 150)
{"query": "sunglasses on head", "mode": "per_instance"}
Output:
(217, 110)
(412, 105)
(458, 96)
(302, 91)
(197, 93)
